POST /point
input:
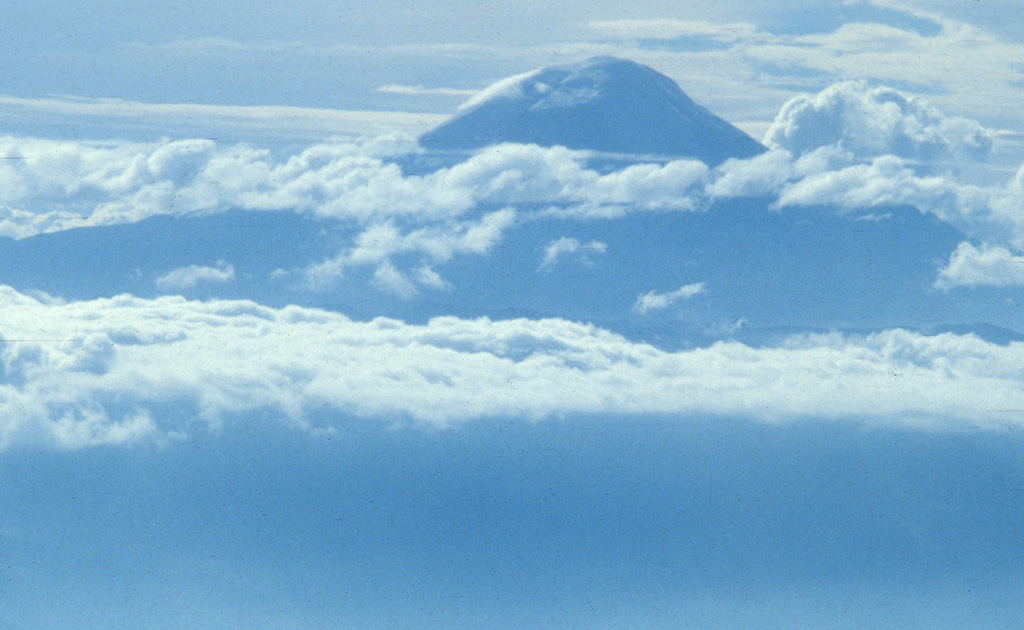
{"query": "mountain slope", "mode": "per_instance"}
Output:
(601, 104)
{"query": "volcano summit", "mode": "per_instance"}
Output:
(602, 104)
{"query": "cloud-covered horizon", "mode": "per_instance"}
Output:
(105, 371)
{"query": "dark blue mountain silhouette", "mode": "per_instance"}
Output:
(601, 104)
(767, 273)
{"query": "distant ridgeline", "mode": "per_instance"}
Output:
(761, 273)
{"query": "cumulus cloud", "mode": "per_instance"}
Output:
(126, 369)
(432, 245)
(985, 265)
(565, 246)
(652, 301)
(873, 121)
(188, 277)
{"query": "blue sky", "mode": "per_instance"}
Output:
(266, 363)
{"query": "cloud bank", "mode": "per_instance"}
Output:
(107, 371)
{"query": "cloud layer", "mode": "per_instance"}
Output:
(108, 371)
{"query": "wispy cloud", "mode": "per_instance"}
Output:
(419, 90)
(566, 246)
(653, 301)
(236, 121)
(188, 277)
(667, 28)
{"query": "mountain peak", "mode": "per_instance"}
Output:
(601, 104)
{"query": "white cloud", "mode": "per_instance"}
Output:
(652, 301)
(434, 244)
(888, 180)
(419, 90)
(231, 121)
(566, 246)
(392, 281)
(967, 70)
(760, 175)
(668, 28)
(125, 369)
(426, 276)
(986, 265)
(188, 277)
(873, 121)
(509, 87)
(70, 184)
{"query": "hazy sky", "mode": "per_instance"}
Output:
(741, 59)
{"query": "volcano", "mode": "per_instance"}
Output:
(603, 104)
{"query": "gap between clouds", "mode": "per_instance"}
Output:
(125, 370)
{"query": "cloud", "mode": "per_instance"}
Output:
(566, 246)
(749, 72)
(224, 121)
(888, 180)
(667, 29)
(392, 281)
(432, 245)
(965, 68)
(188, 277)
(419, 90)
(50, 185)
(656, 301)
(125, 369)
(873, 121)
(985, 265)
(509, 87)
